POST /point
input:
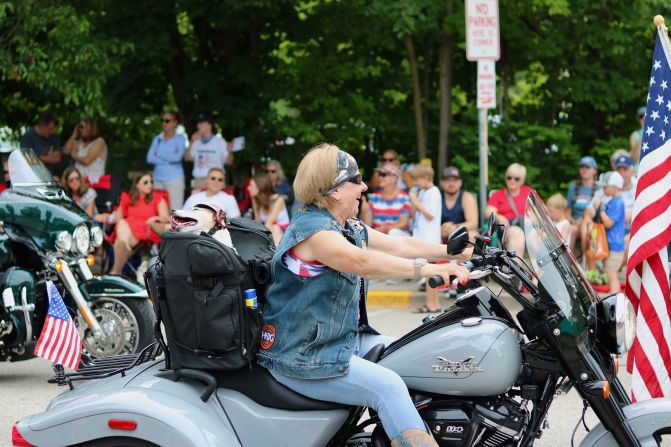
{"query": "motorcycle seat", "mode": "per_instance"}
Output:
(260, 386)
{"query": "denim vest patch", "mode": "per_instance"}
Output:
(311, 322)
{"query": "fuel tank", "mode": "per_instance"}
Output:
(470, 357)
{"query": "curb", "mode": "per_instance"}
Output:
(389, 298)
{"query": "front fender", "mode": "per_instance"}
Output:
(645, 418)
(162, 418)
(117, 286)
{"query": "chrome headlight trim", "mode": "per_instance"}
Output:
(81, 240)
(625, 323)
(97, 236)
(63, 241)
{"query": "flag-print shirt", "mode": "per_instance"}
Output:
(389, 210)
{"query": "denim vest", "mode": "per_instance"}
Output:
(312, 322)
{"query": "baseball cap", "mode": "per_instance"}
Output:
(624, 161)
(388, 168)
(588, 161)
(641, 112)
(205, 118)
(612, 178)
(451, 171)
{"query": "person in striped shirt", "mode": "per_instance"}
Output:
(389, 209)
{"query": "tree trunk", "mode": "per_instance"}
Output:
(505, 80)
(416, 97)
(445, 63)
(426, 83)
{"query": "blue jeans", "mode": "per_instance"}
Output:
(367, 384)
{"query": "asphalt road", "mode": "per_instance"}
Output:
(24, 390)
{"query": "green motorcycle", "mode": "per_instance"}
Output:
(45, 236)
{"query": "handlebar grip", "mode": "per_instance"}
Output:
(436, 281)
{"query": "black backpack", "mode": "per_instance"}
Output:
(197, 286)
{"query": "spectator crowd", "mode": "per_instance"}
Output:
(402, 199)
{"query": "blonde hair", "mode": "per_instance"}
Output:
(422, 170)
(557, 201)
(315, 174)
(517, 168)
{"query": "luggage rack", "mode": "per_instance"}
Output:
(90, 368)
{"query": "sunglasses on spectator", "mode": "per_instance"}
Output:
(388, 159)
(74, 179)
(271, 171)
(147, 182)
(510, 177)
(217, 179)
(385, 174)
(167, 120)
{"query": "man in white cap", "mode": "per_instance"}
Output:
(613, 216)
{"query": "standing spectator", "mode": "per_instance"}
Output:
(624, 166)
(207, 150)
(612, 215)
(269, 207)
(88, 149)
(279, 182)
(579, 195)
(81, 193)
(142, 215)
(215, 195)
(166, 153)
(388, 209)
(557, 206)
(636, 137)
(42, 138)
(509, 204)
(426, 201)
(460, 209)
(391, 156)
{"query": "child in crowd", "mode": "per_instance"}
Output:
(557, 206)
(613, 217)
(426, 201)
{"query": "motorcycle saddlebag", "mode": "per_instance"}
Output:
(200, 285)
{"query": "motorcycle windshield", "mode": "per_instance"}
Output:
(558, 270)
(26, 169)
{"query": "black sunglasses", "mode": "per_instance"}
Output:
(164, 120)
(388, 159)
(271, 171)
(384, 174)
(357, 179)
(148, 182)
(510, 177)
(217, 179)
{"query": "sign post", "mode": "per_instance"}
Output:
(483, 46)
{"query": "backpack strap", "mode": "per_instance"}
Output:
(512, 204)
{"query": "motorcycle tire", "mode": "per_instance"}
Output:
(116, 442)
(134, 315)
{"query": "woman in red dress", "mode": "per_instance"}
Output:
(142, 215)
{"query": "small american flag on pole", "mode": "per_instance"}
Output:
(59, 341)
(647, 285)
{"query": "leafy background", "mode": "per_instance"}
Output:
(365, 74)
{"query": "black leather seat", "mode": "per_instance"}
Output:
(261, 387)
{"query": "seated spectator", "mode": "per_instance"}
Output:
(207, 150)
(269, 207)
(557, 206)
(404, 180)
(579, 195)
(279, 182)
(87, 149)
(215, 195)
(142, 215)
(388, 210)
(509, 204)
(460, 209)
(81, 193)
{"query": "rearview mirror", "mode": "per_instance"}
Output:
(458, 241)
(493, 223)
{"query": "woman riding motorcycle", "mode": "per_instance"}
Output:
(316, 326)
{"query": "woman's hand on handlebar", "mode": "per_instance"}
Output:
(446, 271)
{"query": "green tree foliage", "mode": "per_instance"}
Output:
(355, 72)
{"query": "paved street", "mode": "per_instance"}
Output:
(24, 389)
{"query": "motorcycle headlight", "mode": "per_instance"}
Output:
(81, 239)
(96, 236)
(63, 241)
(617, 323)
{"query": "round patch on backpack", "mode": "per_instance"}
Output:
(268, 333)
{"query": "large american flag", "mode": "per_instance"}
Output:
(59, 341)
(647, 269)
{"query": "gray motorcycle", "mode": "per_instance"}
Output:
(478, 376)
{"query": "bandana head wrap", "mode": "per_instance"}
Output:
(346, 168)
